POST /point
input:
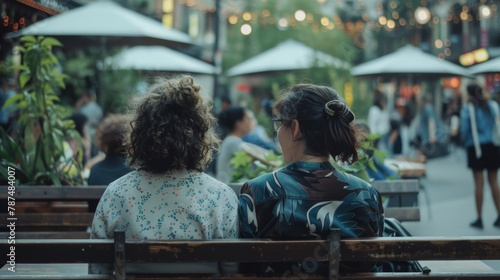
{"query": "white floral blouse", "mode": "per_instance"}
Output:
(174, 205)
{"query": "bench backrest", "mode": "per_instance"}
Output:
(120, 252)
(74, 213)
(52, 212)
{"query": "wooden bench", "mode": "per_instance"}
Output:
(67, 212)
(52, 212)
(122, 252)
(402, 201)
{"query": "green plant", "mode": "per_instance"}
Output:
(367, 155)
(39, 151)
(246, 167)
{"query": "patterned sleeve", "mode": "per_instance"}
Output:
(381, 217)
(247, 214)
(257, 208)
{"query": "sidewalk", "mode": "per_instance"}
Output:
(447, 204)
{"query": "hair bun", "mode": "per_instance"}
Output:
(340, 109)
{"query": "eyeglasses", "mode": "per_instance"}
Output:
(277, 123)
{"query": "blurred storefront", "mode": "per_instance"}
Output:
(18, 14)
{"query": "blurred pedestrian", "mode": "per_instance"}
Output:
(379, 121)
(109, 139)
(308, 197)
(480, 131)
(258, 135)
(87, 106)
(169, 142)
(431, 135)
(236, 122)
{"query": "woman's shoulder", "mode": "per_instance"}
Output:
(353, 181)
(208, 182)
(264, 184)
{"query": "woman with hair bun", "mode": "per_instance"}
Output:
(308, 197)
(169, 140)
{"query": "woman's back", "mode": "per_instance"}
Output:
(308, 200)
(174, 205)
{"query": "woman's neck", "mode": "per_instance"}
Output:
(312, 158)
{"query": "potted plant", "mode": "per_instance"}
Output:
(39, 151)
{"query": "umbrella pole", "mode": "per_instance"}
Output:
(100, 73)
(217, 55)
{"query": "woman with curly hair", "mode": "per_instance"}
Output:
(169, 141)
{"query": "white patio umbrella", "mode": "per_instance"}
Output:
(490, 66)
(105, 20)
(409, 60)
(158, 58)
(105, 23)
(289, 55)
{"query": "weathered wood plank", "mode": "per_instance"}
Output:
(49, 220)
(48, 235)
(361, 249)
(421, 248)
(66, 193)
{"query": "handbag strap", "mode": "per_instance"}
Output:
(473, 125)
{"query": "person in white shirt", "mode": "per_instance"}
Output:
(237, 122)
(379, 121)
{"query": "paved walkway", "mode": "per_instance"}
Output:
(447, 202)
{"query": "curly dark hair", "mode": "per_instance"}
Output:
(171, 128)
(324, 133)
(110, 133)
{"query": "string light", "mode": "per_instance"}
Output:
(397, 15)
(422, 15)
(246, 29)
(300, 15)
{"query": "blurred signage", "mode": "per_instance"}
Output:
(348, 95)
(473, 57)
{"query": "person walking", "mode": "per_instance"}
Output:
(480, 132)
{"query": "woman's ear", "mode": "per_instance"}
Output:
(296, 134)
